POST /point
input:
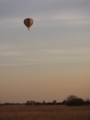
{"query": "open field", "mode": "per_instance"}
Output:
(53, 112)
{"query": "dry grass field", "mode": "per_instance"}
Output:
(53, 112)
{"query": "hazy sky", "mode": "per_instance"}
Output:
(52, 60)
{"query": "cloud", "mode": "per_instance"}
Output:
(11, 22)
(12, 53)
(59, 19)
(45, 12)
(69, 16)
(58, 51)
(45, 56)
(45, 8)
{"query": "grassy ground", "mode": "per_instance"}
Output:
(54, 112)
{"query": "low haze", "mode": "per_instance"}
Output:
(50, 61)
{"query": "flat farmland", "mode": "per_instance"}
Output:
(47, 112)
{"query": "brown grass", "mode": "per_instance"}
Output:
(54, 112)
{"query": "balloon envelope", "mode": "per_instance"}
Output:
(28, 22)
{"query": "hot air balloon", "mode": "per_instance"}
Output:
(28, 22)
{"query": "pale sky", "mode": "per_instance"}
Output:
(50, 61)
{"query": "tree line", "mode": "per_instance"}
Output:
(71, 100)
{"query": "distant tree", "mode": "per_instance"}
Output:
(73, 100)
(37, 103)
(87, 102)
(59, 103)
(49, 103)
(30, 102)
(44, 103)
(64, 102)
(7, 103)
(54, 102)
